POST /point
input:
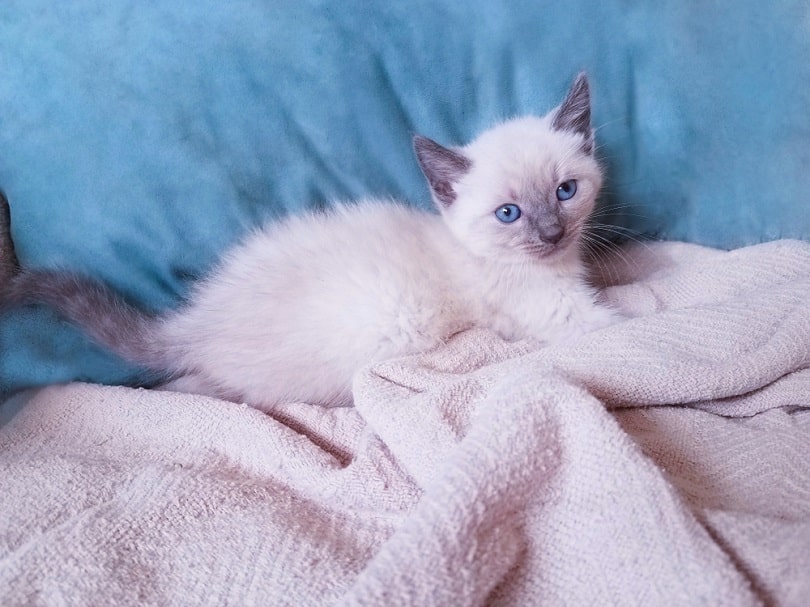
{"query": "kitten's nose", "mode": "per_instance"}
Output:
(552, 234)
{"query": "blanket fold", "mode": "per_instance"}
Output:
(663, 460)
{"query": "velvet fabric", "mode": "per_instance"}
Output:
(140, 139)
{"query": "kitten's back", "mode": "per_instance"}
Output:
(317, 296)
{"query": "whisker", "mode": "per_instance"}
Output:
(599, 213)
(609, 122)
(618, 230)
(618, 205)
(606, 273)
(597, 224)
(609, 247)
(626, 235)
(603, 230)
(597, 251)
(629, 236)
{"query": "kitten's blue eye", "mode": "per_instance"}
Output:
(567, 189)
(508, 213)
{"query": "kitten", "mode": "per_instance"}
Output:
(292, 312)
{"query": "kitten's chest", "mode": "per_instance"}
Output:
(541, 307)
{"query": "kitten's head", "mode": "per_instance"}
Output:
(522, 190)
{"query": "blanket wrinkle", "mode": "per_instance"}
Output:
(662, 460)
(768, 335)
(468, 507)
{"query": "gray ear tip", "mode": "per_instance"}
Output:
(574, 114)
(581, 84)
(420, 142)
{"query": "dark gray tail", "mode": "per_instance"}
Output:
(9, 265)
(101, 313)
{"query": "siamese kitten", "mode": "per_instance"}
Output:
(292, 312)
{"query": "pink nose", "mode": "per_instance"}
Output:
(552, 234)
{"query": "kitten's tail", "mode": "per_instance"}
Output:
(102, 314)
(9, 265)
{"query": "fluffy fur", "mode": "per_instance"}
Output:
(298, 307)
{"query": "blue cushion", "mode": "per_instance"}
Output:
(139, 139)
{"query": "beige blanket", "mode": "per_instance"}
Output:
(662, 461)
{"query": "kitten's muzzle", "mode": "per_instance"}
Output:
(552, 234)
(548, 226)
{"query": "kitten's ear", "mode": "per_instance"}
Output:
(575, 112)
(442, 168)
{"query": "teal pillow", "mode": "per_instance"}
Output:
(139, 140)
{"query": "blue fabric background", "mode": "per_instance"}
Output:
(138, 139)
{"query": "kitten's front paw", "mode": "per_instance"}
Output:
(605, 317)
(598, 316)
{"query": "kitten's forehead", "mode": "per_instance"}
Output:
(523, 129)
(528, 134)
(527, 146)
